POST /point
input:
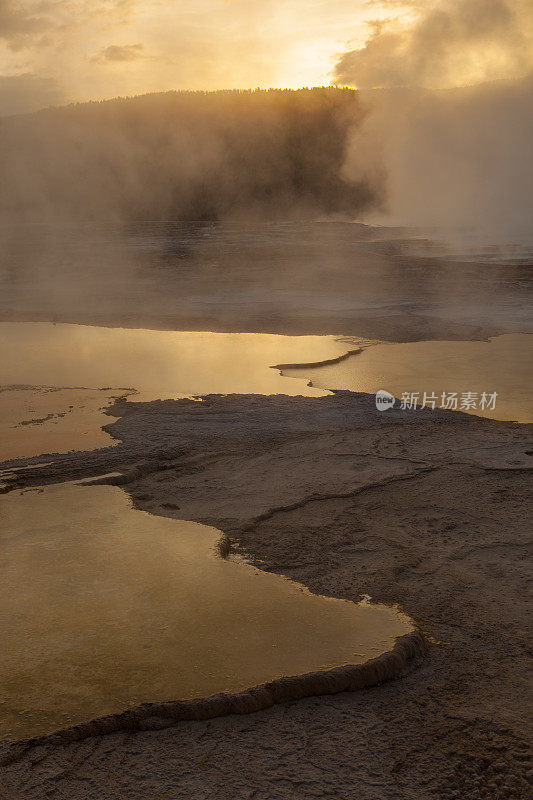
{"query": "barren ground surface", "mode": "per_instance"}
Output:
(427, 509)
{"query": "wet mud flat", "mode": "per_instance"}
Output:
(429, 509)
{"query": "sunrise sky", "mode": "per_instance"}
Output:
(58, 51)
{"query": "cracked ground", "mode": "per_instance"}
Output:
(428, 510)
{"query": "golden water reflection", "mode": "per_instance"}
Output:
(37, 420)
(105, 607)
(503, 365)
(157, 364)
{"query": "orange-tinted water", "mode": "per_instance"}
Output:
(105, 607)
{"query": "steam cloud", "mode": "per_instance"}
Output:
(422, 155)
(183, 155)
(455, 42)
(454, 157)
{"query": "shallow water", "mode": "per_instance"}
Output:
(38, 415)
(157, 364)
(105, 607)
(37, 420)
(503, 365)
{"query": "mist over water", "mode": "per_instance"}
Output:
(297, 277)
(234, 210)
(188, 155)
(449, 123)
(455, 164)
(458, 161)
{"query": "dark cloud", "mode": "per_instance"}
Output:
(116, 52)
(22, 93)
(452, 42)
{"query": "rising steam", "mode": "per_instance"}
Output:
(451, 144)
(268, 154)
